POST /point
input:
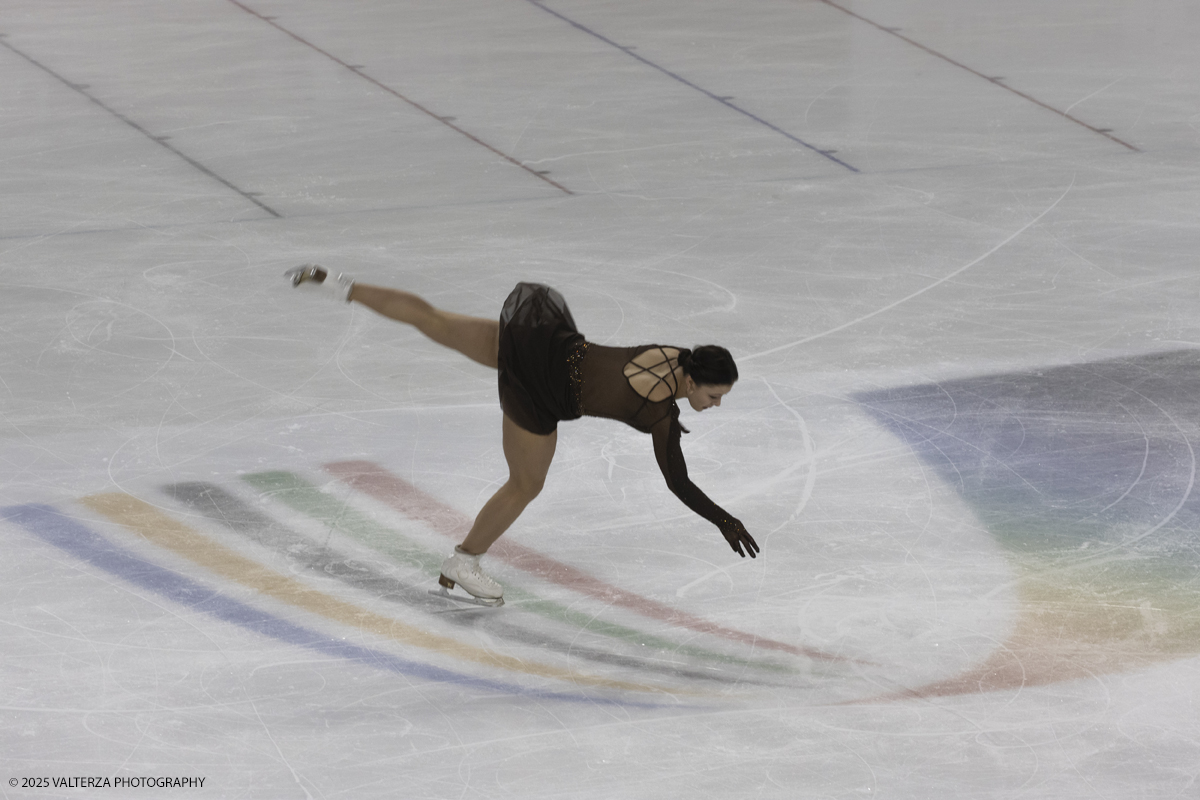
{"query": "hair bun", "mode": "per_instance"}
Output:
(709, 364)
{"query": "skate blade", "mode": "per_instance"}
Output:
(442, 591)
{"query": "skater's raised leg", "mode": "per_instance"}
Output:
(476, 338)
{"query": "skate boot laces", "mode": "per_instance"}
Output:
(464, 569)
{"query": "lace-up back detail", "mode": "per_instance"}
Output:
(635, 385)
(652, 373)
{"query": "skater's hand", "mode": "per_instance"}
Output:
(306, 272)
(736, 534)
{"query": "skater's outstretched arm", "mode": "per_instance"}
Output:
(669, 454)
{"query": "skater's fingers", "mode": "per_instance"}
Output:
(740, 539)
(751, 545)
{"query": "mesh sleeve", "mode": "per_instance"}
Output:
(667, 451)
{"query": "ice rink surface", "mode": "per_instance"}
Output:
(954, 246)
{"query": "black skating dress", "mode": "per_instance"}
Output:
(548, 373)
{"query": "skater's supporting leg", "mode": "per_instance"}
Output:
(528, 456)
(476, 338)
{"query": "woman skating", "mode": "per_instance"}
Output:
(548, 373)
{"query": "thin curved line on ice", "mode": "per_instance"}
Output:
(919, 292)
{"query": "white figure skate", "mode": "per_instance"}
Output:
(318, 277)
(463, 568)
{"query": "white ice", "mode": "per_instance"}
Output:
(853, 196)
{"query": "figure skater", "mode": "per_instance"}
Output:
(548, 373)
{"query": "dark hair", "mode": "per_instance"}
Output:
(709, 365)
